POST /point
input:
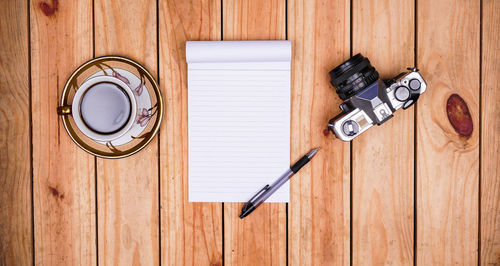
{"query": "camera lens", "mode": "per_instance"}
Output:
(353, 76)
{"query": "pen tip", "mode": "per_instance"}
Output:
(313, 152)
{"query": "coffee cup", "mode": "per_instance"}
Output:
(104, 108)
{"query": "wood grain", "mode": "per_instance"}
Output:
(447, 162)
(260, 238)
(128, 225)
(318, 213)
(191, 233)
(127, 229)
(490, 135)
(383, 156)
(16, 245)
(63, 174)
(254, 20)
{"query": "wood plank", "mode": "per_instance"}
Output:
(191, 233)
(383, 157)
(448, 133)
(63, 174)
(260, 238)
(254, 20)
(16, 245)
(318, 213)
(490, 135)
(127, 189)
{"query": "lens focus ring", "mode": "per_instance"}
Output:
(353, 76)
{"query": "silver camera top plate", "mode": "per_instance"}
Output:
(401, 93)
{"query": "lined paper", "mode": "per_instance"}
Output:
(238, 118)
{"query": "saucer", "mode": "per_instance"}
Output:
(149, 106)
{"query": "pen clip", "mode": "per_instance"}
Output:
(266, 187)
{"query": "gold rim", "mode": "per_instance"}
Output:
(116, 154)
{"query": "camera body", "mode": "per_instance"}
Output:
(367, 99)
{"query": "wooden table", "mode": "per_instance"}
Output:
(417, 190)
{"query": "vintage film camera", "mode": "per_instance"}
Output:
(367, 99)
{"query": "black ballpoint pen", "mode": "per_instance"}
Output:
(268, 190)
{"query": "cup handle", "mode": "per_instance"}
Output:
(64, 110)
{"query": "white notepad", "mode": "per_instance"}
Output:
(238, 118)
